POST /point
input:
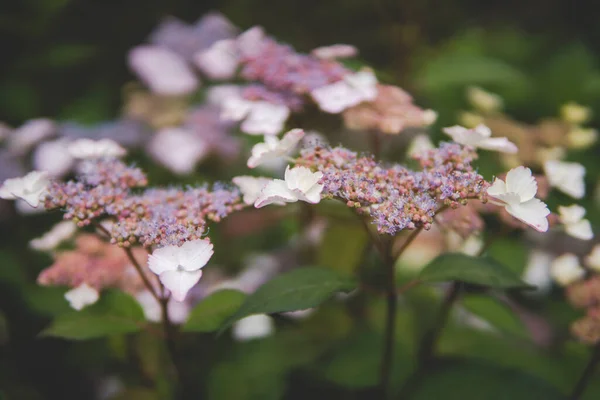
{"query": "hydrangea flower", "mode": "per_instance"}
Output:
(273, 148)
(165, 72)
(88, 149)
(82, 296)
(253, 327)
(566, 177)
(517, 195)
(352, 90)
(566, 269)
(300, 184)
(251, 186)
(259, 117)
(53, 157)
(220, 61)
(179, 268)
(30, 188)
(178, 149)
(575, 225)
(480, 137)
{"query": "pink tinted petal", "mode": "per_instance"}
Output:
(532, 212)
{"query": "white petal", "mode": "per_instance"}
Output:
(483, 131)
(500, 144)
(301, 178)
(498, 188)
(336, 97)
(89, 149)
(82, 296)
(335, 51)
(164, 71)
(537, 271)
(364, 84)
(532, 212)
(163, 259)
(520, 181)
(51, 239)
(30, 188)
(53, 157)
(251, 42)
(235, 108)
(150, 305)
(580, 230)
(194, 254)
(29, 134)
(571, 214)
(419, 144)
(566, 269)
(291, 139)
(250, 187)
(178, 149)
(593, 259)
(275, 191)
(219, 61)
(566, 177)
(253, 327)
(265, 118)
(180, 282)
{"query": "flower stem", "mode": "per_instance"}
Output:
(390, 324)
(587, 374)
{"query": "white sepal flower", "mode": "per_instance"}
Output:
(537, 270)
(250, 186)
(592, 260)
(273, 148)
(300, 184)
(566, 177)
(253, 327)
(566, 269)
(179, 268)
(572, 218)
(352, 90)
(82, 296)
(259, 117)
(88, 149)
(60, 232)
(517, 195)
(30, 188)
(178, 149)
(480, 137)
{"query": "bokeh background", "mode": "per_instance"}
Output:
(66, 60)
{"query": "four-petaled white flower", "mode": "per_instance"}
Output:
(251, 186)
(575, 225)
(517, 195)
(179, 268)
(273, 148)
(30, 188)
(352, 90)
(480, 137)
(253, 327)
(163, 70)
(260, 117)
(82, 296)
(300, 184)
(566, 177)
(566, 269)
(88, 149)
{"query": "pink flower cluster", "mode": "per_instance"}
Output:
(154, 217)
(396, 197)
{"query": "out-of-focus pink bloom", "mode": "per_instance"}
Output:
(162, 70)
(391, 112)
(29, 134)
(335, 51)
(89, 149)
(251, 42)
(220, 61)
(218, 94)
(205, 122)
(53, 157)
(352, 90)
(178, 149)
(259, 117)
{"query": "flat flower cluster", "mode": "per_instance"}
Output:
(396, 197)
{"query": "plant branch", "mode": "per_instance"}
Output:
(390, 324)
(140, 271)
(587, 374)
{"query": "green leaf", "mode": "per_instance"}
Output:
(210, 313)
(496, 313)
(343, 246)
(296, 290)
(475, 270)
(468, 379)
(115, 313)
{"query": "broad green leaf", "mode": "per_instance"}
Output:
(456, 379)
(296, 290)
(210, 313)
(495, 313)
(115, 313)
(475, 270)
